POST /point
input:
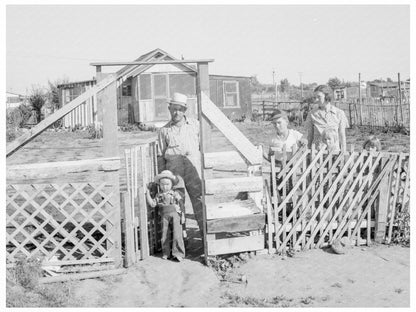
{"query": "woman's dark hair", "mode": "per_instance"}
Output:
(325, 90)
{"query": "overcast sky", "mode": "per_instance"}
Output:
(52, 42)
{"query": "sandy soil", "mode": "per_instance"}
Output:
(364, 277)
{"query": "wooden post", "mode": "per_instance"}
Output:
(264, 112)
(349, 111)
(382, 207)
(130, 252)
(203, 87)
(107, 105)
(142, 205)
(359, 98)
(400, 97)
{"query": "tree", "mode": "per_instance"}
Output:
(284, 85)
(53, 92)
(389, 79)
(256, 86)
(37, 99)
(334, 82)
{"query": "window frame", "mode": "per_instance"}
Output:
(236, 82)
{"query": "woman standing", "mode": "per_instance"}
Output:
(325, 116)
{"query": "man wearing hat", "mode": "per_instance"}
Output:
(326, 116)
(179, 151)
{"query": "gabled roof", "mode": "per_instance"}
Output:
(156, 54)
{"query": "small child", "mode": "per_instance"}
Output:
(330, 140)
(372, 144)
(168, 201)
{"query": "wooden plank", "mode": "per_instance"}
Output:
(107, 99)
(144, 241)
(233, 185)
(230, 209)
(202, 81)
(382, 209)
(237, 224)
(235, 244)
(91, 170)
(230, 131)
(395, 193)
(275, 199)
(152, 62)
(269, 217)
(48, 121)
(80, 276)
(130, 250)
(229, 158)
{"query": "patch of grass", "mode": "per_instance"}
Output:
(233, 300)
(223, 265)
(23, 288)
(338, 285)
(307, 300)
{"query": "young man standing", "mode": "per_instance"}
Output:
(179, 151)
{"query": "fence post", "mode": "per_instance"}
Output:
(263, 111)
(382, 207)
(400, 98)
(349, 111)
(128, 228)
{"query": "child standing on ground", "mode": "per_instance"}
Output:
(168, 201)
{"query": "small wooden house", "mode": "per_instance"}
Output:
(143, 91)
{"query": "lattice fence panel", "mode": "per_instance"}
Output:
(319, 197)
(71, 221)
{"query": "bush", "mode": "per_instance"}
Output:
(94, 133)
(27, 273)
(401, 232)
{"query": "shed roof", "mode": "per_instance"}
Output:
(156, 54)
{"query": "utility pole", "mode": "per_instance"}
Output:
(400, 96)
(359, 99)
(275, 85)
(301, 86)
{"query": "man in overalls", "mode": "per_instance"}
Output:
(179, 151)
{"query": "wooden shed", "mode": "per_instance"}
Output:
(143, 90)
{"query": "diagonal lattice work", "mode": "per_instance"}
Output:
(318, 197)
(71, 221)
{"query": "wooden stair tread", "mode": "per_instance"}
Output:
(230, 209)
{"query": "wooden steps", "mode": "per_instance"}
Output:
(235, 218)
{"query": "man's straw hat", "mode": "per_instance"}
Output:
(179, 99)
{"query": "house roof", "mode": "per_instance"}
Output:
(75, 83)
(156, 54)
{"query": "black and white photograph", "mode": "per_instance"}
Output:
(181, 155)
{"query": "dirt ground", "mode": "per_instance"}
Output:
(376, 276)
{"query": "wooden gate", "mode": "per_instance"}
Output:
(318, 197)
(141, 223)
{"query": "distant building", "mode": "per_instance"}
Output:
(143, 91)
(14, 100)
